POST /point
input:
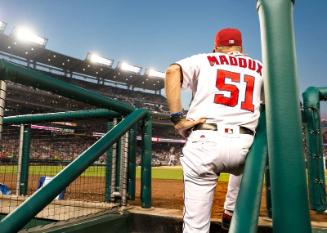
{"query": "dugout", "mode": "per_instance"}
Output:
(125, 222)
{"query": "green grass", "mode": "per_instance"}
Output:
(173, 173)
(48, 170)
(165, 173)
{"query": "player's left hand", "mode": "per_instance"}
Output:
(184, 126)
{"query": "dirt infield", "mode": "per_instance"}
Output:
(169, 194)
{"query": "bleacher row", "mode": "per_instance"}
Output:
(62, 149)
(42, 101)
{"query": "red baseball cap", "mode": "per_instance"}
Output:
(228, 37)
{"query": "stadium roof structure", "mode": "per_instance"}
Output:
(39, 57)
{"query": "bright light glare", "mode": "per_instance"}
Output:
(126, 67)
(95, 58)
(154, 73)
(26, 35)
(2, 26)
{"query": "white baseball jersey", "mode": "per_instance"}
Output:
(226, 88)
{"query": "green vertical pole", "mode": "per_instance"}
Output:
(146, 162)
(25, 161)
(131, 163)
(268, 192)
(316, 171)
(245, 218)
(108, 188)
(286, 156)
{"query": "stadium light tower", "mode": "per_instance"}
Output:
(26, 35)
(127, 67)
(154, 73)
(96, 59)
(3, 26)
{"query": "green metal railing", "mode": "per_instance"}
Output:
(27, 76)
(246, 214)
(60, 116)
(146, 162)
(28, 209)
(51, 117)
(286, 156)
(316, 172)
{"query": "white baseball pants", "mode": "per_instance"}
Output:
(206, 154)
(232, 191)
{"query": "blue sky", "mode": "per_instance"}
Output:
(157, 33)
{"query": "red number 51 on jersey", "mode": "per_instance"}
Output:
(232, 101)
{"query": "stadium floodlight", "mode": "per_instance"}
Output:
(126, 67)
(154, 73)
(3, 26)
(96, 59)
(26, 35)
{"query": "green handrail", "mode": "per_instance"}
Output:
(30, 207)
(286, 156)
(316, 172)
(30, 77)
(146, 162)
(245, 217)
(60, 116)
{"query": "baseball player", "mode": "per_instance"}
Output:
(220, 123)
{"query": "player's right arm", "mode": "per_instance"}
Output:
(173, 83)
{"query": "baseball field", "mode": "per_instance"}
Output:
(167, 187)
(165, 173)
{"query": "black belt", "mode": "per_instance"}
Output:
(211, 126)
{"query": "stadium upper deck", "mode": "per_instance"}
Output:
(41, 58)
(139, 90)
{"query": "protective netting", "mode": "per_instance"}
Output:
(51, 148)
